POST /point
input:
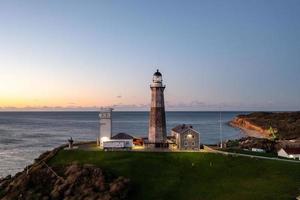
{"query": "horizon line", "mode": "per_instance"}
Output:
(149, 111)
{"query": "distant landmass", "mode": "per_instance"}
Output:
(286, 124)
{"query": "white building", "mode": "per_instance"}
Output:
(291, 152)
(118, 144)
(105, 125)
(258, 150)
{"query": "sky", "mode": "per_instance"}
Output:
(213, 54)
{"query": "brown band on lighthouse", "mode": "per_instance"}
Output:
(157, 129)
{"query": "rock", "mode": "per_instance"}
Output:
(55, 194)
(45, 198)
(5, 181)
(77, 182)
(72, 169)
(7, 177)
(100, 183)
(68, 192)
(119, 187)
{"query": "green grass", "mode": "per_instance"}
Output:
(264, 154)
(194, 175)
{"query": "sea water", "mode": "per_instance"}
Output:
(25, 135)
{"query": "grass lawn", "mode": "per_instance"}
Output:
(272, 155)
(194, 175)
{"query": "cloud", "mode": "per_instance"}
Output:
(185, 105)
(194, 105)
(131, 107)
(72, 103)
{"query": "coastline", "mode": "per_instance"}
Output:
(252, 133)
(258, 124)
(72, 181)
(248, 128)
(23, 142)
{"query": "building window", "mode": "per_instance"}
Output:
(185, 144)
(185, 136)
(193, 136)
(193, 143)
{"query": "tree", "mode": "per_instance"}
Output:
(273, 133)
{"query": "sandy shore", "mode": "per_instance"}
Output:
(249, 132)
(252, 133)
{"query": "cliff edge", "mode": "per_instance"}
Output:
(39, 181)
(287, 124)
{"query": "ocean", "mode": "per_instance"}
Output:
(25, 135)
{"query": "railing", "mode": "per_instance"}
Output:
(51, 170)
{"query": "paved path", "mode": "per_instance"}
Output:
(209, 149)
(91, 146)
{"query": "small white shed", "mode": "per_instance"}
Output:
(291, 152)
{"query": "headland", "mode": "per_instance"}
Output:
(258, 124)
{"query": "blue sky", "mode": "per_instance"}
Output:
(229, 55)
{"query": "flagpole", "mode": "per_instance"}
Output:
(221, 133)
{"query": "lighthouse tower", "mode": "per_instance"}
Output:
(157, 120)
(105, 125)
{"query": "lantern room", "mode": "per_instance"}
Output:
(157, 77)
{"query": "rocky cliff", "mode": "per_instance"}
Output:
(287, 123)
(40, 181)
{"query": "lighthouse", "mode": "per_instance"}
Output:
(105, 125)
(157, 119)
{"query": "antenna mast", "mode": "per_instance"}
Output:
(221, 134)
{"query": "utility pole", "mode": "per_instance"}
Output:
(221, 134)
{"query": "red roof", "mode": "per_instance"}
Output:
(292, 150)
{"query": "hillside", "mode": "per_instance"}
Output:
(193, 175)
(287, 123)
(69, 182)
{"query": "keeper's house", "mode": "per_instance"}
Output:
(290, 152)
(186, 138)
